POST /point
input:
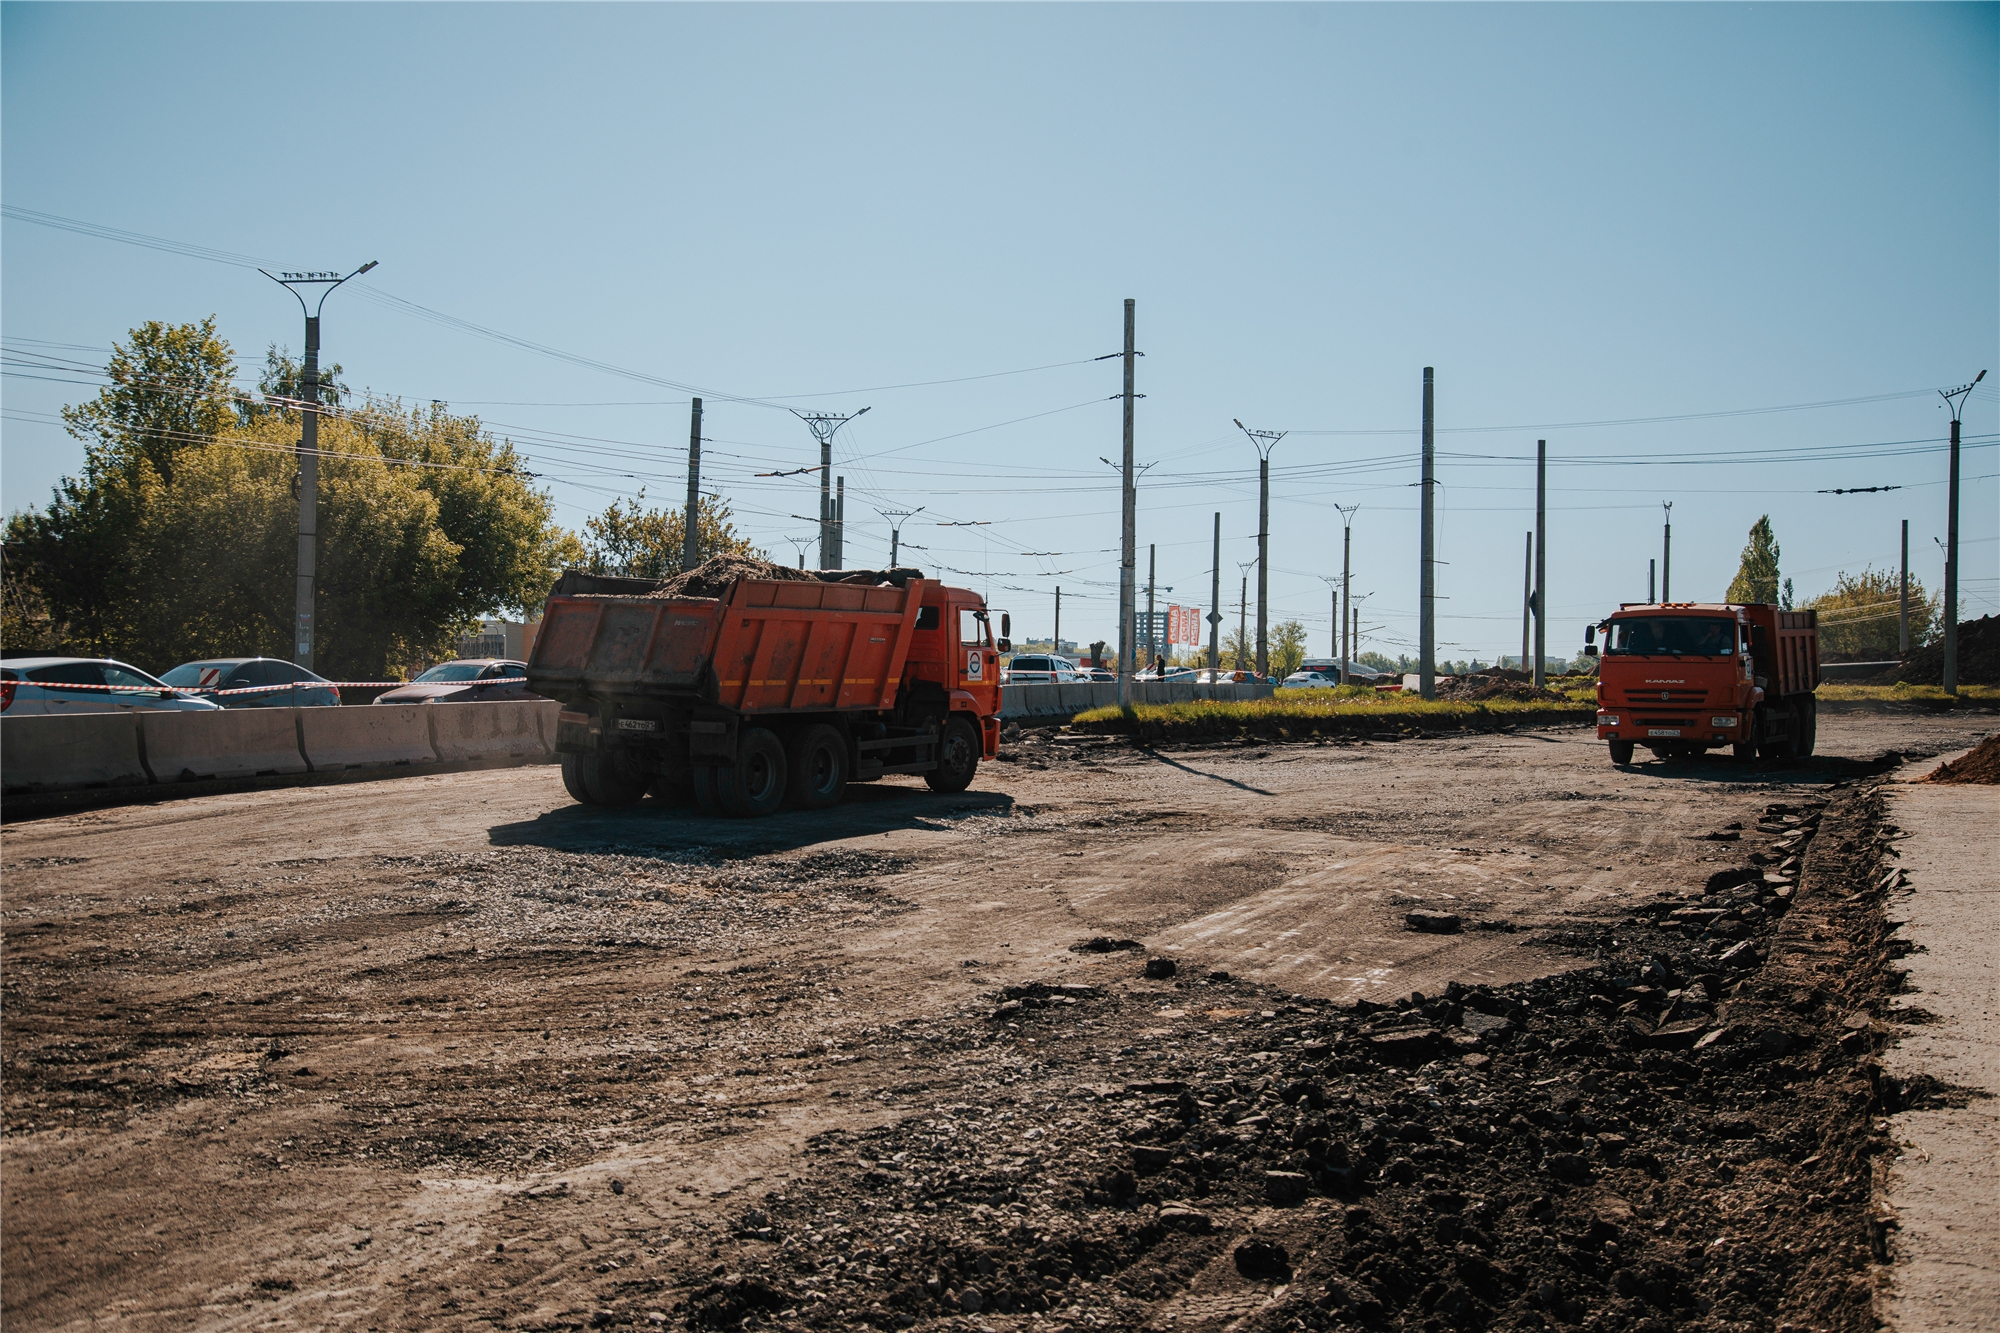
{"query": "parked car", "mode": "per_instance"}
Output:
(1034, 669)
(1224, 677)
(468, 680)
(1098, 675)
(1172, 673)
(32, 685)
(255, 673)
(1309, 680)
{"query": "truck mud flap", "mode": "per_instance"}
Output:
(712, 741)
(869, 765)
(574, 733)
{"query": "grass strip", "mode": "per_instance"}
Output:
(1904, 698)
(1302, 714)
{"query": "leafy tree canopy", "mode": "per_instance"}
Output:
(1757, 572)
(1859, 615)
(181, 543)
(641, 543)
(1287, 648)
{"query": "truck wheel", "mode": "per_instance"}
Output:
(753, 786)
(958, 756)
(1744, 752)
(708, 789)
(1621, 753)
(1808, 725)
(572, 774)
(818, 764)
(608, 780)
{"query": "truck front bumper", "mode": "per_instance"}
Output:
(1707, 729)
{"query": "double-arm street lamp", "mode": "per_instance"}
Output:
(309, 445)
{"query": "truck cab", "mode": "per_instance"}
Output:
(1681, 678)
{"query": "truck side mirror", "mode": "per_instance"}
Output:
(1590, 650)
(1590, 634)
(1004, 644)
(1006, 626)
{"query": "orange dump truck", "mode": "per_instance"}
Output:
(776, 691)
(1683, 677)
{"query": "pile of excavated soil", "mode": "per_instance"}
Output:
(1981, 766)
(1978, 658)
(712, 577)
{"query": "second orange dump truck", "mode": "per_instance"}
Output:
(1683, 677)
(775, 692)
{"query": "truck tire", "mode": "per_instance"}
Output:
(708, 789)
(753, 786)
(958, 755)
(572, 774)
(611, 780)
(1621, 753)
(819, 766)
(1744, 752)
(1808, 725)
(678, 790)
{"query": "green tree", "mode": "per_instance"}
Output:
(425, 524)
(172, 388)
(1288, 648)
(1757, 572)
(1238, 653)
(283, 384)
(1859, 615)
(642, 543)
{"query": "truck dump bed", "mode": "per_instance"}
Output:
(1786, 648)
(766, 646)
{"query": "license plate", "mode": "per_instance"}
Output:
(1663, 731)
(647, 724)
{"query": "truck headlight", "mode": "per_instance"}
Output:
(1607, 719)
(1722, 722)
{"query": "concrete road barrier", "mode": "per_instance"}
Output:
(510, 730)
(235, 743)
(369, 736)
(57, 752)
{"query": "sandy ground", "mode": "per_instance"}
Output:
(296, 1058)
(1940, 1189)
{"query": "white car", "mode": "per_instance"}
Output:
(1036, 669)
(31, 685)
(1309, 680)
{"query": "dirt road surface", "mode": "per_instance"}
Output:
(455, 1052)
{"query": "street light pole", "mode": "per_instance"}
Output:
(1264, 441)
(896, 528)
(1346, 651)
(1951, 539)
(308, 548)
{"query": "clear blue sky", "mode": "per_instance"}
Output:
(1577, 214)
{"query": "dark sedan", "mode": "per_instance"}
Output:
(468, 680)
(261, 677)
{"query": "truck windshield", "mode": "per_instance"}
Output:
(1696, 636)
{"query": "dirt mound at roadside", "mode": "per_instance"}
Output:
(1497, 685)
(712, 577)
(1981, 766)
(1978, 658)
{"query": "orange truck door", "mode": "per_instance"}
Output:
(975, 664)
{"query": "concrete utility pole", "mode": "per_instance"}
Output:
(1666, 554)
(1652, 579)
(840, 526)
(1055, 640)
(1152, 625)
(1527, 599)
(1427, 575)
(894, 517)
(1333, 588)
(1951, 539)
(691, 536)
(1903, 602)
(1541, 556)
(1128, 549)
(1346, 650)
(1242, 622)
(1265, 441)
(308, 547)
(1215, 602)
(824, 426)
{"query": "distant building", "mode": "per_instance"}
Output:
(500, 638)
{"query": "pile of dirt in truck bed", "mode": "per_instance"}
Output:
(712, 577)
(1978, 658)
(1981, 766)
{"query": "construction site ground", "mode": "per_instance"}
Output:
(455, 1052)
